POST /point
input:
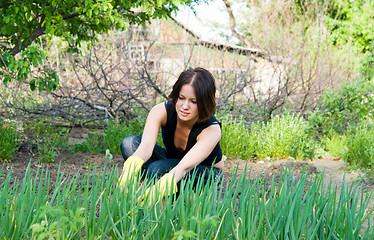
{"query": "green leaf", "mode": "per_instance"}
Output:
(32, 85)
(48, 89)
(37, 227)
(6, 79)
(20, 17)
(41, 85)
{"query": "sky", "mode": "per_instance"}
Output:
(208, 17)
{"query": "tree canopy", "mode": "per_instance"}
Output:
(24, 21)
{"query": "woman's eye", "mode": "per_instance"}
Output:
(194, 102)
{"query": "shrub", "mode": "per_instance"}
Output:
(344, 107)
(360, 145)
(8, 140)
(335, 144)
(284, 136)
(235, 140)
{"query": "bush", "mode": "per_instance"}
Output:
(335, 144)
(284, 136)
(360, 145)
(8, 140)
(343, 107)
(235, 140)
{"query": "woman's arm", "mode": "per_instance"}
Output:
(156, 118)
(205, 144)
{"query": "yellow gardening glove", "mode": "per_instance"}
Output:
(165, 186)
(131, 167)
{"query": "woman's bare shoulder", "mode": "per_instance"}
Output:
(158, 112)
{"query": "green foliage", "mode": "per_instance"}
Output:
(360, 145)
(235, 140)
(20, 68)
(93, 144)
(49, 139)
(47, 148)
(41, 127)
(344, 107)
(352, 22)
(335, 144)
(8, 140)
(367, 69)
(115, 133)
(284, 136)
(58, 223)
(22, 22)
(91, 207)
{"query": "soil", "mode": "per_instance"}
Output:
(334, 170)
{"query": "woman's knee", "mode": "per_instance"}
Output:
(155, 169)
(161, 167)
(129, 145)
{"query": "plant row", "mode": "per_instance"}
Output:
(92, 207)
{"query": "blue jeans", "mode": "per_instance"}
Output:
(159, 163)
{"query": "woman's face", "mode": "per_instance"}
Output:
(186, 105)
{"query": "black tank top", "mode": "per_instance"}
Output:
(168, 137)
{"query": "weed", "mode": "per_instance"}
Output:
(93, 144)
(8, 140)
(47, 148)
(284, 136)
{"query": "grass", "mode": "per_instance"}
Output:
(91, 207)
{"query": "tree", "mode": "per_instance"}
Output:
(351, 22)
(24, 21)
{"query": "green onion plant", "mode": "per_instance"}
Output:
(242, 207)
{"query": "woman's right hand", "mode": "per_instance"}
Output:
(131, 167)
(165, 186)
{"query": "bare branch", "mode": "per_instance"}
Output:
(232, 24)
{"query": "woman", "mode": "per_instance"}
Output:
(190, 132)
